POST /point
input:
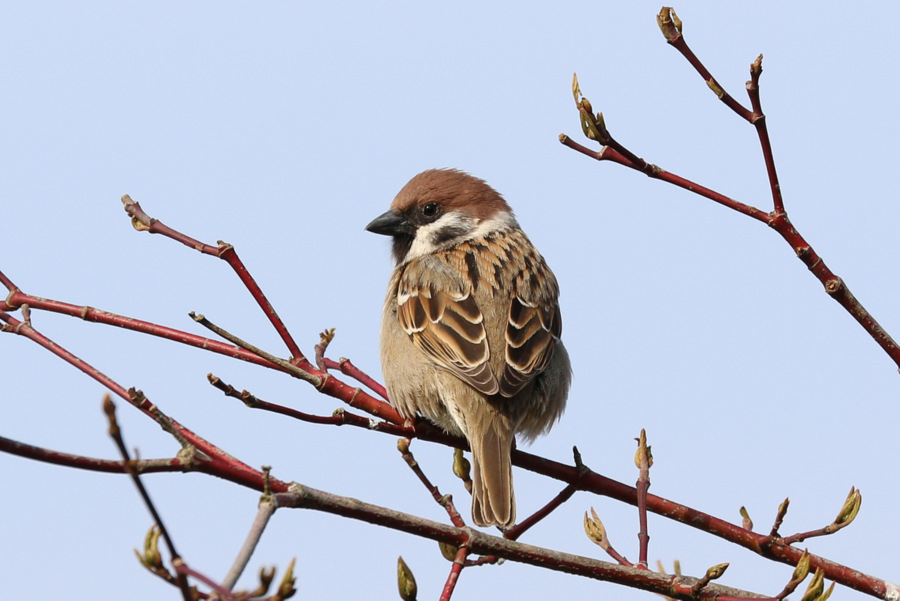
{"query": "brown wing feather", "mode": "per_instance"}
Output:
(450, 328)
(531, 335)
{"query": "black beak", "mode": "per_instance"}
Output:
(391, 224)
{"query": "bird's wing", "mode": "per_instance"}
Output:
(446, 323)
(531, 334)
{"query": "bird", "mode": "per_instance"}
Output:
(471, 325)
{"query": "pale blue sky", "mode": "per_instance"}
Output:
(284, 129)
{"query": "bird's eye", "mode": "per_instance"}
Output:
(430, 210)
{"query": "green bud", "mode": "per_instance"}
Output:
(406, 582)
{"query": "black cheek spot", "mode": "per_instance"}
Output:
(446, 234)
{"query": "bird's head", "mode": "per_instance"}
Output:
(438, 209)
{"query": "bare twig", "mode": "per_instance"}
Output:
(340, 417)
(798, 576)
(845, 517)
(141, 466)
(222, 465)
(671, 28)
(297, 372)
(670, 25)
(760, 544)
(596, 531)
(519, 529)
(445, 501)
(325, 338)
(217, 461)
(459, 562)
(332, 386)
(643, 459)
(143, 222)
(779, 517)
(116, 433)
(594, 128)
(482, 543)
(348, 368)
(265, 512)
(564, 495)
(583, 478)
(18, 298)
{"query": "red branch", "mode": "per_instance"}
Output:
(220, 464)
(595, 128)
(643, 460)
(214, 461)
(482, 543)
(143, 466)
(581, 478)
(347, 368)
(331, 386)
(761, 544)
(459, 563)
(143, 222)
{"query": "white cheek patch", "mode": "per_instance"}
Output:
(424, 242)
(454, 228)
(500, 222)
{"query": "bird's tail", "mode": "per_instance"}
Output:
(493, 500)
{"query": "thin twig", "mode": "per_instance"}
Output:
(332, 386)
(485, 544)
(595, 128)
(564, 495)
(293, 370)
(340, 417)
(266, 510)
(143, 222)
(587, 480)
(779, 518)
(142, 466)
(760, 544)
(759, 121)
(849, 511)
(348, 368)
(222, 465)
(456, 568)
(116, 433)
(324, 383)
(519, 529)
(218, 462)
(184, 570)
(608, 154)
(445, 501)
(670, 25)
(643, 459)
(325, 338)
(596, 532)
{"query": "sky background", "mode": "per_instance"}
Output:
(284, 128)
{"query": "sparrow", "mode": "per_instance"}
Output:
(470, 332)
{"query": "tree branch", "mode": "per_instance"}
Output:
(143, 222)
(594, 127)
(481, 543)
